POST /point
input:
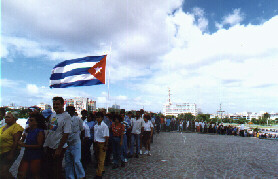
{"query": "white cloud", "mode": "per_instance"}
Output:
(32, 88)
(202, 22)
(8, 83)
(4, 51)
(231, 19)
(121, 98)
(152, 49)
(101, 100)
(10, 60)
(230, 66)
(139, 34)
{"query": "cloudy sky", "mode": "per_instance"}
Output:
(207, 52)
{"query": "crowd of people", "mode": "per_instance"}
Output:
(100, 138)
(51, 137)
(176, 124)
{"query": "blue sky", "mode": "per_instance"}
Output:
(207, 52)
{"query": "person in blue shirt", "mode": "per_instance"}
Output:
(33, 154)
(168, 121)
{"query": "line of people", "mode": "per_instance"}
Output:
(174, 124)
(51, 137)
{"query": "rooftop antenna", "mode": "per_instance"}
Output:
(169, 96)
(221, 112)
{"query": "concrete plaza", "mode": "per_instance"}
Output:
(193, 155)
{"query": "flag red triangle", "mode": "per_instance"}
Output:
(98, 70)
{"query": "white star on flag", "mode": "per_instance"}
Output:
(98, 69)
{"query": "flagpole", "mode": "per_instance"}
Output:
(108, 79)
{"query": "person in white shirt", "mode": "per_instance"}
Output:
(73, 165)
(59, 128)
(101, 136)
(203, 126)
(147, 133)
(137, 125)
(181, 125)
(87, 139)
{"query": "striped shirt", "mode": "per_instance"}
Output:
(126, 125)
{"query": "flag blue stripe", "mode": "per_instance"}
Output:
(78, 83)
(78, 71)
(80, 60)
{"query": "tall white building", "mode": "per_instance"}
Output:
(178, 108)
(116, 106)
(81, 103)
(44, 106)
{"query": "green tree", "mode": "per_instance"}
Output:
(186, 116)
(266, 116)
(214, 120)
(262, 120)
(23, 113)
(242, 120)
(203, 117)
(254, 121)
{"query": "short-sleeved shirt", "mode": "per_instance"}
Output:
(6, 137)
(161, 120)
(127, 120)
(32, 139)
(168, 121)
(58, 125)
(181, 123)
(153, 120)
(100, 132)
(147, 126)
(107, 121)
(118, 130)
(87, 130)
(76, 127)
(136, 125)
(91, 125)
(126, 126)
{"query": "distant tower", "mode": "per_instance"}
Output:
(220, 112)
(169, 96)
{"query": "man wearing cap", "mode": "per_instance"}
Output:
(46, 114)
(59, 128)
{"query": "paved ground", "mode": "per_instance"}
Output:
(193, 155)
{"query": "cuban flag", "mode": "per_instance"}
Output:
(85, 71)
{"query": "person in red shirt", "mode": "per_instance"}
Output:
(117, 140)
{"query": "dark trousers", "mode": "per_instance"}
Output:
(86, 153)
(128, 136)
(116, 150)
(109, 152)
(158, 128)
(167, 128)
(53, 165)
(241, 133)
